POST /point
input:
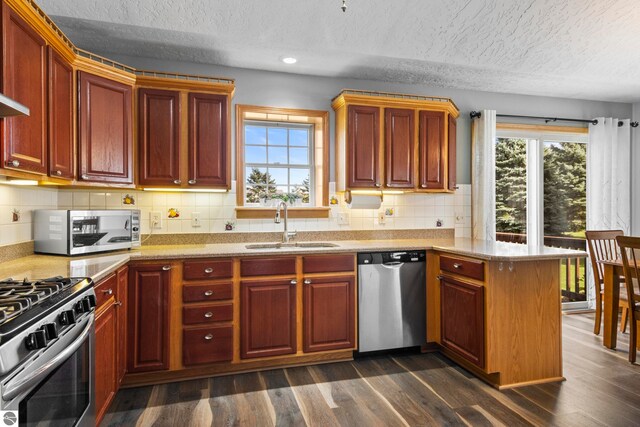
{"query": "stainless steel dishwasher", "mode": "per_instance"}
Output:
(391, 300)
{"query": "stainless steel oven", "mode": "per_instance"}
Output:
(71, 232)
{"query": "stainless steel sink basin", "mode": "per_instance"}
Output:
(291, 245)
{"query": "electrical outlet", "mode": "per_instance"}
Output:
(155, 220)
(343, 218)
(381, 217)
(195, 219)
(459, 218)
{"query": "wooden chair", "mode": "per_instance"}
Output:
(630, 251)
(602, 246)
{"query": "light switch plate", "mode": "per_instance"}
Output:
(343, 218)
(381, 217)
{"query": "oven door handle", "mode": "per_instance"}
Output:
(13, 390)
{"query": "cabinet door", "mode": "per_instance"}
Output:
(209, 150)
(363, 147)
(105, 360)
(431, 148)
(121, 314)
(329, 313)
(268, 318)
(105, 131)
(159, 137)
(451, 153)
(60, 117)
(399, 143)
(24, 79)
(148, 318)
(462, 322)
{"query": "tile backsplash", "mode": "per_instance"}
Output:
(215, 210)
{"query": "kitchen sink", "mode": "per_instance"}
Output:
(291, 245)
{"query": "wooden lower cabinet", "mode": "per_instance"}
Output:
(106, 346)
(268, 317)
(329, 313)
(207, 344)
(462, 319)
(121, 320)
(148, 341)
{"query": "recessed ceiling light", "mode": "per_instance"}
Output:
(289, 60)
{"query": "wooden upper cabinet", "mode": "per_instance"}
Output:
(363, 147)
(400, 144)
(105, 130)
(209, 148)
(24, 79)
(61, 147)
(159, 137)
(451, 153)
(432, 155)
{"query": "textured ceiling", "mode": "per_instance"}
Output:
(586, 49)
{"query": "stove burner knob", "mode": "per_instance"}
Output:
(86, 305)
(77, 308)
(50, 330)
(36, 340)
(68, 317)
(92, 301)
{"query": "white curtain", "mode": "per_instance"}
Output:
(609, 175)
(483, 173)
(608, 180)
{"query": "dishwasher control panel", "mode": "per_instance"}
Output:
(391, 257)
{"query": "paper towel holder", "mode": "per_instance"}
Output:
(348, 198)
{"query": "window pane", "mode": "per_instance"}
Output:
(255, 135)
(277, 136)
(254, 154)
(299, 137)
(298, 156)
(282, 189)
(257, 192)
(299, 176)
(256, 175)
(279, 175)
(565, 210)
(277, 155)
(511, 189)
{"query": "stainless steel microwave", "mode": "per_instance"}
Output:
(71, 232)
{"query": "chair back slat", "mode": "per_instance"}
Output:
(630, 254)
(602, 246)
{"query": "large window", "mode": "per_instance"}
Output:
(541, 196)
(278, 162)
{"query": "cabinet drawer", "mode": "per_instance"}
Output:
(197, 293)
(207, 269)
(207, 344)
(207, 314)
(328, 263)
(463, 267)
(106, 289)
(267, 266)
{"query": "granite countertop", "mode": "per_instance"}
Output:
(98, 266)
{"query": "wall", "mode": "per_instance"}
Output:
(25, 200)
(635, 173)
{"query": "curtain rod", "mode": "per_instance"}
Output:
(477, 114)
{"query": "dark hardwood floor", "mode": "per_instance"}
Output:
(602, 389)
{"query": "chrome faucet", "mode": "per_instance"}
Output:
(286, 235)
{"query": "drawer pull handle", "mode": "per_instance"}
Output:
(177, 181)
(107, 291)
(208, 337)
(208, 293)
(208, 270)
(457, 266)
(166, 267)
(208, 314)
(58, 172)
(294, 282)
(192, 181)
(307, 282)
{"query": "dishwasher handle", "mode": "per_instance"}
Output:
(393, 264)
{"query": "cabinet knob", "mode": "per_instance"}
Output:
(294, 282)
(208, 337)
(166, 267)
(177, 181)
(107, 291)
(58, 172)
(307, 282)
(192, 181)
(208, 270)
(208, 314)
(208, 293)
(378, 185)
(423, 186)
(84, 176)
(457, 266)
(14, 163)
(118, 303)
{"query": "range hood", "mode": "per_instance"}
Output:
(9, 107)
